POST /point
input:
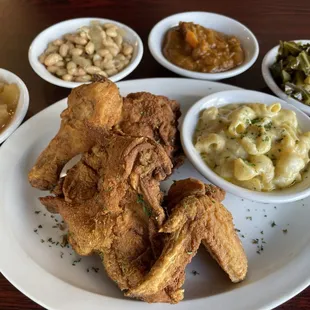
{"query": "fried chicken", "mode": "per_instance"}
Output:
(111, 202)
(100, 105)
(155, 117)
(220, 238)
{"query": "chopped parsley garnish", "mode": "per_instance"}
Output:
(248, 163)
(256, 120)
(195, 273)
(268, 126)
(37, 212)
(145, 207)
(40, 226)
(61, 254)
(189, 252)
(95, 269)
(238, 230)
(273, 224)
(254, 241)
(284, 231)
(262, 232)
(249, 218)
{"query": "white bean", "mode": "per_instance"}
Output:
(108, 57)
(67, 77)
(63, 50)
(80, 72)
(76, 39)
(92, 69)
(111, 32)
(73, 71)
(108, 42)
(76, 52)
(111, 72)
(58, 42)
(51, 49)
(71, 65)
(42, 58)
(118, 40)
(108, 64)
(90, 48)
(103, 52)
(113, 50)
(127, 49)
(84, 78)
(83, 35)
(60, 63)
(97, 57)
(97, 63)
(103, 73)
(61, 71)
(52, 69)
(51, 59)
(120, 57)
(109, 25)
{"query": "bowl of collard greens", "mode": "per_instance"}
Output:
(286, 70)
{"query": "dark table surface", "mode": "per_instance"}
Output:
(22, 20)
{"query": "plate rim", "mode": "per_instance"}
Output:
(299, 278)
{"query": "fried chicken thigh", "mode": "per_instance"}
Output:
(100, 105)
(155, 117)
(112, 205)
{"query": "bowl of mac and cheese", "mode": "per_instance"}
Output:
(251, 144)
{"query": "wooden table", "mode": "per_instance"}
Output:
(22, 20)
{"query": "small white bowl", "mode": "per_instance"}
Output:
(39, 44)
(296, 192)
(217, 22)
(22, 106)
(269, 60)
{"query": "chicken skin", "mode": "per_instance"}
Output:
(111, 202)
(220, 238)
(98, 104)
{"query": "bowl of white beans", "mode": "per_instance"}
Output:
(80, 50)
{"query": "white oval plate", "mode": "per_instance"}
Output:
(267, 62)
(46, 274)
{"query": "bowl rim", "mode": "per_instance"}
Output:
(23, 101)
(205, 171)
(268, 78)
(47, 76)
(159, 57)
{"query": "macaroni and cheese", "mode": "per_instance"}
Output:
(255, 146)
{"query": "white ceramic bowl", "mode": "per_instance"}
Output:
(217, 22)
(296, 192)
(269, 60)
(22, 106)
(39, 44)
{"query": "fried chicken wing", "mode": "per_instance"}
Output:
(184, 230)
(100, 105)
(112, 205)
(220, 238)
(155, 117)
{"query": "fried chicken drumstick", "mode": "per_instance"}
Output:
(100, 105)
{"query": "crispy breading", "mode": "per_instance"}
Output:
(155, 117)
(221, 239)
(100, 105)
(184, 230)
(112, 205)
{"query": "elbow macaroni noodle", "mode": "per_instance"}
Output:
(255, 146)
